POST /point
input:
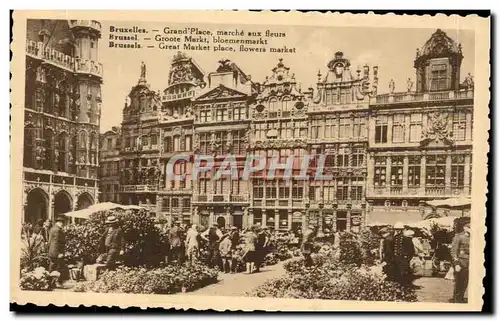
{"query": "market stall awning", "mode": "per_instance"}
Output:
(380, 218)
(454, 202)
(443, 222)
(99, 207)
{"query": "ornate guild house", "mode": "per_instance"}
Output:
(420, 144)
(388, 154)
(62, 113)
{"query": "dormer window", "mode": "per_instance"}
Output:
(439, 77)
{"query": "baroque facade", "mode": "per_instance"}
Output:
(62, 114)
(420, 144)
(387, 153)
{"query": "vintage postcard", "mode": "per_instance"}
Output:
(249, 160)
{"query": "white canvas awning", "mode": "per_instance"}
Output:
(106, 206)
(444, 222)
(454, 202)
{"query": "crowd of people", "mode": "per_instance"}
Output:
(225, 248)
(401, 254)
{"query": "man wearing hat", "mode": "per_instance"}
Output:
(308, 244)
(460, 257)
(112, 241)
(174, 237)
(387, 252)
(212, 236)
(403, 253)
(57, 242)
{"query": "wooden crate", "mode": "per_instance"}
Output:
(92, 272)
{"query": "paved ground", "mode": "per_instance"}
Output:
(434, 289)
(240, 283)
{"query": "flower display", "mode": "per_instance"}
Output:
(163, 280)
(38, 279)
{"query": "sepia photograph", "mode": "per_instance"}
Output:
(288, 162)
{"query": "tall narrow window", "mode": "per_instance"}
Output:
(49, 149)
(379, 178)
(343, 157)
(187, 143)
(258, 188)
(297, 189)
(414, 171)
(415, 127)
(284, 190)
(63, 145)
(439, 77)
(359, 127)
(169, 147)
(29, 140)
(381, 129)
(357, 188)
(457, 171)
(177, 143)
(398, 129)
(435, 170)
(286, 105)
(397, 171)
(358, 157)
(345, 127)
(459, 125)
(342, 188)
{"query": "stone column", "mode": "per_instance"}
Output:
(405, 174)
(304, 221)
(289, 219)
(447, 175)
(370, 167)
(348, 225)
(250, 217)
(276, 220)
(196, 215)
(228, 217)
(422, 175)
(244, 222)
(211, 218)
(468, 126)
(388, 175)
(334, 219)
(389, 128)
(467, 174)
(407, 127)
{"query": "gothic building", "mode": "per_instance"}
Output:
(338, 120)
(62, 113)
(420, 142)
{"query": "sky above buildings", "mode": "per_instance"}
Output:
(391, 49)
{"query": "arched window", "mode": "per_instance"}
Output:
(63, 151)
(83, 140)
(273, 106)
(93, 148)
(29, 143)
(286, 104)
(48, 136)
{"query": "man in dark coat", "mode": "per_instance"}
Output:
(460, 256)
(261, 247)
(175, 241)
(57, 242)
(308, 245)
(212, 236)
(387, 252)
(403, 251)
(112, 242)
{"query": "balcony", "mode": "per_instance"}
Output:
(238, 198)
(96, 25)
(435, 191)
(183, 95)
(404, 97)
(138, 188)
(51, 56)
(416, 191)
